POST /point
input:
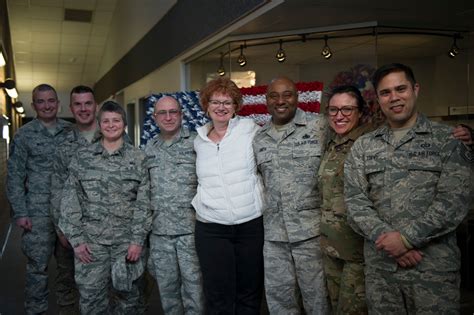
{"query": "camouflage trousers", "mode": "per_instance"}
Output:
(67, 295)
(37, 245)
(346, 285)
(409, 291)
(292, 269)
(174, 264)
(94, 281)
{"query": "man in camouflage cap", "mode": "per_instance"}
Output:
(28, 190)
(83, 108)
(172, 167)
(288, 151)
(407, 190)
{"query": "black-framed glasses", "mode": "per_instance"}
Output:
(345, 110)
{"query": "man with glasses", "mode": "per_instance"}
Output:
(83, 108)
(28, 190)
(171, 161)
(288, 150)
(407, 188)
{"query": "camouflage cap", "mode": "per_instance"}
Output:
(125, 272)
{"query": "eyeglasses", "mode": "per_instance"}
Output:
(216, 103)
(171, 112)
(345, 110)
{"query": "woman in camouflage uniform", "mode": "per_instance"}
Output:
(342, 248)
(105, 216)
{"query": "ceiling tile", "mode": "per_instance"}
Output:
(46, 38)
(102, 17)
(45, 67)
(48, 3)
(89, 76)
(93, 60)
(50, 58)
(24, 68)
(46, 13)
(23, 57)
(41, 48)
(25, 84)
(73, 49)
(19, 16)
(73, 39)
(72, 59)
(98, 40)
(22, 47)
(67, 68)
(49, 77)
(106, 5)
(76, 28)
(92, 69)
(23, 78)
(80, 5)
(17, 2)
(95, 51)
(99, 30)
(47, 26)
(21, 36)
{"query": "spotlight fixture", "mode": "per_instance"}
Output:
(454, 51)
(326, 52)
(280, 55)
(242, 61)
(9, 86)
(221, 70)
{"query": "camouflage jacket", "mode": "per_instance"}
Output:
(419, 186)
(289, 168)
(30, 168)
(173, 182)
(106, 197)
(73, 140)
(338, 239)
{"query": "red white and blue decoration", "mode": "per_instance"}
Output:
(309, 99)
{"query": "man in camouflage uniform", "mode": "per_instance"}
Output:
(288, 152)
(172, 166)
(28, 190)
(83, 108)
(407, 190)
(104, 214)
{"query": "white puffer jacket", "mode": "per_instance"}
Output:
(229, 189)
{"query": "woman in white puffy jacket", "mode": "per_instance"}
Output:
(228, 203)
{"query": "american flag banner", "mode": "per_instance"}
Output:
(254, 106)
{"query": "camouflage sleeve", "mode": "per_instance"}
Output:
(322, 127)
(361, 214)
(16, 177)
(451, 203)
(70, 219)
(142, 216)
(58, 178)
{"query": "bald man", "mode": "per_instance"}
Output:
(172, 166)
(288, 150)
